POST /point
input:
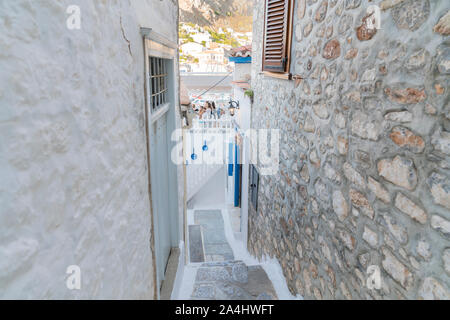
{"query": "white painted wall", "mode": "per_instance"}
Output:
(212, 194)
(73, 179)
(242, 116)
(242, 72)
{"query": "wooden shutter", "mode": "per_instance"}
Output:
(278, 25)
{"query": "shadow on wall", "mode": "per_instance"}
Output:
(212, 194)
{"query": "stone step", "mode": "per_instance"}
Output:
(235, 271)
(225, 291)
(227, 263)
(232, 280)
(215, 244)
(196, 249)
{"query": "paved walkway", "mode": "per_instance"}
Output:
(207, 236)
(219, 277)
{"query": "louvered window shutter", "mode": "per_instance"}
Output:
(277, 26)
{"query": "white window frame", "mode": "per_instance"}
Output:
(157, 46)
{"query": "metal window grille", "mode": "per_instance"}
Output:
(158, 82)
(254, 186)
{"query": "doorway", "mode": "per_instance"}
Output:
(161, 99)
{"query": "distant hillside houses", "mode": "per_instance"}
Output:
(204, 37)
(194, 33)
(188, 28)
(197, 58)
(191, 48)
(204, 50)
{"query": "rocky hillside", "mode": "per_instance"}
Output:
(218, 13)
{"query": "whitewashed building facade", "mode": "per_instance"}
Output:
(82, 118)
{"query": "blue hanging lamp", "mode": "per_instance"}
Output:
(205, 146)
(193, 155)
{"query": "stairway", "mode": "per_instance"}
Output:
(232, 280)
(207, 240)
(220, 276)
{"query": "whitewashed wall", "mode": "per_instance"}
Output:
(73, 173)
(242, 71)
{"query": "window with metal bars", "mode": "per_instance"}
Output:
(158, 82)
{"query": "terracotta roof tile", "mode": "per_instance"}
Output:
(244, 51)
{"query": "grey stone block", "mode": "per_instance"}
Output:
(240, 273)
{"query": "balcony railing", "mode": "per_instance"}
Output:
(213, 123)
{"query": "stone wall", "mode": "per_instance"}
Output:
(73, 167)
(364, 151)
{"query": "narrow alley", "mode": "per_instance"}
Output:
(218, 264)
(224, 150)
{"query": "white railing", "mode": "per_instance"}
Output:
(205, 156)
(211, 123)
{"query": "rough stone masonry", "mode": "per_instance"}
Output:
(364, 151)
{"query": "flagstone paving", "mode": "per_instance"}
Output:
(216, 247)
(232, 280)
(221, 277)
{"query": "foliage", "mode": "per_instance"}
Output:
(249, 93)
(223, 38)
(188, 58)
(184, 36)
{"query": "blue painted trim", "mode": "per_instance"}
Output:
(230, 159)
(240, 59)
(237, 173)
